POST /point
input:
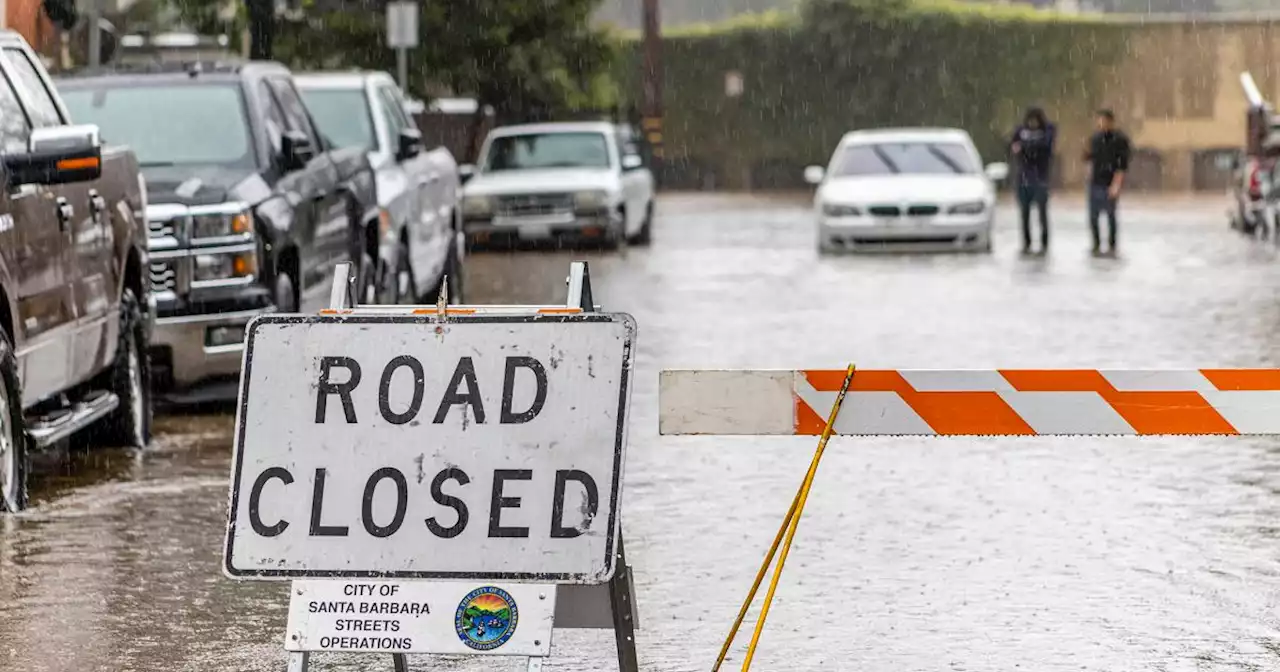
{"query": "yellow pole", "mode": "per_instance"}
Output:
(795, 519)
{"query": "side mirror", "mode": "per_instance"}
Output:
(997, 172)
(815, 174)
(632, 162)
(409, 144)
(59, 155)
(298, 149)
(465, 172)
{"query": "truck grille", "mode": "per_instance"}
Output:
(164, 277)
(535, 205)
(161, 228)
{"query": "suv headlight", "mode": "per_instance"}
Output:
(231, 221)
(971, 208)
(477, 206)
(590, 200)
(837, 210)
(226, 266)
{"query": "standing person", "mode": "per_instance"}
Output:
(1032, 148)
(1109, 152)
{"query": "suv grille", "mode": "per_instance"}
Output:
(164, 278)
(535, 204)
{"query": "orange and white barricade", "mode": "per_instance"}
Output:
(994, 402)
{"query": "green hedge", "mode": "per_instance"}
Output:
(838, 65)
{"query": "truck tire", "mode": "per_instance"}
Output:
(453, 270)
(397, 284)
(13, 434)
(286, 296)
(645, 236)
(130, 424)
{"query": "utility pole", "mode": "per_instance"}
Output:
(95, 34)
(651, 78)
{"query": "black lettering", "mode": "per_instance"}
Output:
(402, 502)
(508, 389)
(497, 503)
(558, 530)
(465, 370)
(255, 502)
(317, 505)
(327, 387)
(459, 506)
(384, 390)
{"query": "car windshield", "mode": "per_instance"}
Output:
(905, 158)
(183, 124)
(342, 116)
(547, 150)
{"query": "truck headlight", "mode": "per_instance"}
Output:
(477, 206)
(590, 200)
(837, 210)
(971, 208)
(225, 266)
(237, 224)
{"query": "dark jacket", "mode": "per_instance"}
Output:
(1035, 157)
(1109, 152)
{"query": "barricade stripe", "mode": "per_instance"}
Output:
(997, 402)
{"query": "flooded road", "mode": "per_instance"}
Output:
(915, 553)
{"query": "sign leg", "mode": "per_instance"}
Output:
(298, 661)
(535, 665)
(621, 602)
(401, 664)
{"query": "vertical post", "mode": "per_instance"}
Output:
(298, 661)
(95, 33)
(402, 69)
(651, 78)
(399, 662)
(620, 602)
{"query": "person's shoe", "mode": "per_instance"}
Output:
(1026, 250)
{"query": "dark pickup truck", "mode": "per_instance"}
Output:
(74, 322)
(249, 209)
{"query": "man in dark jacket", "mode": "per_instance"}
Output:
(1108, 151)
(1032, 148)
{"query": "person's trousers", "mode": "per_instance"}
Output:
(1100, 201)
(1038, 195)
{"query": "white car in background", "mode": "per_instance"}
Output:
(912, 189)
(547, 181)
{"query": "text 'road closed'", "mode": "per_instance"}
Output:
(381, 447)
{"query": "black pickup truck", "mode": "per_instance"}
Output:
(74, 322)
(249, 209)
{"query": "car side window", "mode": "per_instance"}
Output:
(43, 111)
(15, 129)
(272, 119)
(295, 113)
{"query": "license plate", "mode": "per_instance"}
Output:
(535, 231)
(888, 221)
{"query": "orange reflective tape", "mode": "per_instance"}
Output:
(864, 381)
(1168, 413)
(559, 311)
(966, 413)
(1065, 380)
(808, 422)
(1243, 379)
(78, 164)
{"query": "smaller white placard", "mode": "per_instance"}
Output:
(402, 25)
(444, 617)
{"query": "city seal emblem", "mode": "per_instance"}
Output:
(486, 618)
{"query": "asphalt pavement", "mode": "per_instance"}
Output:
(914, 554)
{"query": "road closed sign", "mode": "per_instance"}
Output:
(485, 448)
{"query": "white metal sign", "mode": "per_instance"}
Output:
(402, 25)
(444, 617)
(401, 447)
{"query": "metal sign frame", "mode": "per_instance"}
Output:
(620, 590)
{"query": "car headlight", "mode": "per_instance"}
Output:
(237, 223)
(226, 266)
(837, 210)
(477, 206)
(594, 199)
(971, 208)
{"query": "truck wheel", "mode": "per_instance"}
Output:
(645, 236)
(13, 434)
(130, 424)
(367, 287)
(285, 295)
(397, 284)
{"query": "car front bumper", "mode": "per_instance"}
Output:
(600, 226)
(954, 233)
(198, 357)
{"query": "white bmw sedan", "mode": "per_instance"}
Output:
(913, 189)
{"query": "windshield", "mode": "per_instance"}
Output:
(342, 116)
(548, 150)
(905, 158)
(169, 125)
